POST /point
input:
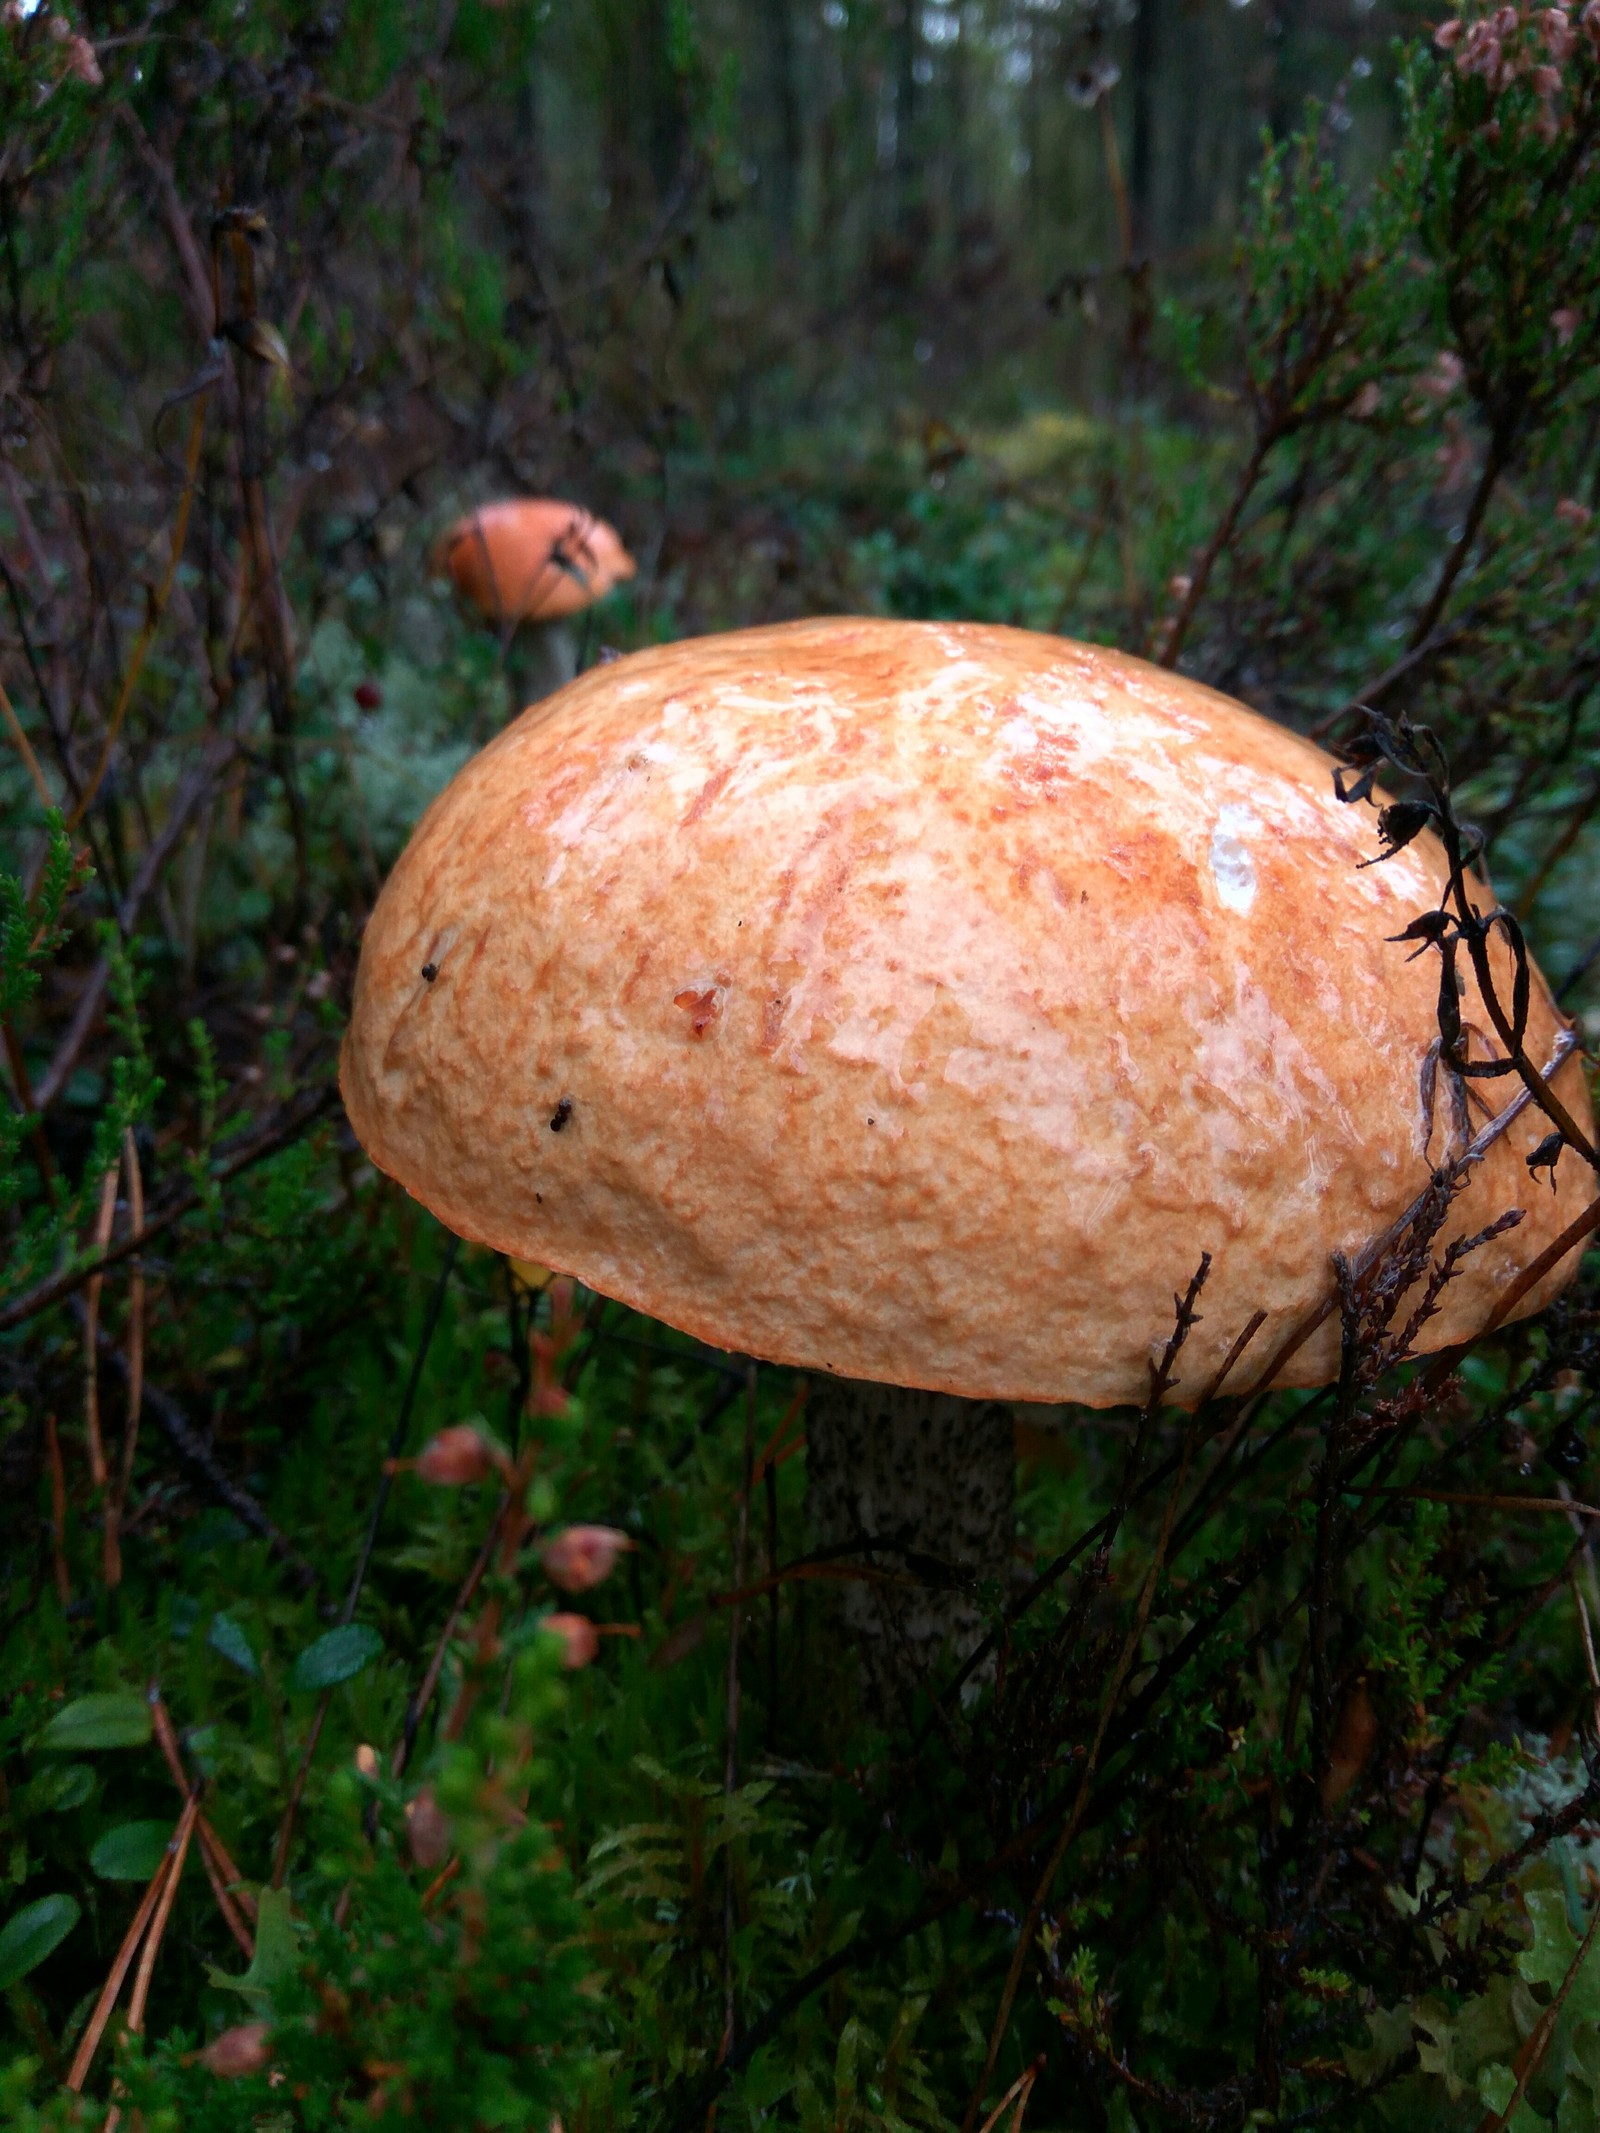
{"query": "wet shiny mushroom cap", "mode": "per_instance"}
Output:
(917, 1001)
(532, 559)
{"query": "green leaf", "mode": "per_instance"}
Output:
(36, 1931)
(338, 1656)
(60, 1787)
(116, 1719)
(229, 1640)
(767, 2079)
(1554, 1942)
(277, 1953)
(132, 1851)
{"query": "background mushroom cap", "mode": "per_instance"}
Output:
(917, 1001)
(533, 559)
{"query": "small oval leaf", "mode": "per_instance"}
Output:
(338, 1656)
(132, 1851)
(228, 1639)
(60, 1787)
(36, 1931)
(115, 1719)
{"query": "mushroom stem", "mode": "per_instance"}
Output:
(541, 658)
(922, 1485)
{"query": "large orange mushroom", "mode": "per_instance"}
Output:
(785, 984)
(528, 565)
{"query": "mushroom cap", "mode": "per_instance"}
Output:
(532, 559)
(917, 1001)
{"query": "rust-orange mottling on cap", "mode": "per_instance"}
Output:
(532, 559)
(918, 1001)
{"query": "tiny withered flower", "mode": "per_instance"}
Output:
(1455, 458)
(1559, 35)
(1564, 323)
(1448, 34)
(244, 2049)
(81, 62)
(427, 1830)
(456, 1458)
(1443, 376)
(1572, 513)
(583, 1556)
(367, 1759)
(578, 1634)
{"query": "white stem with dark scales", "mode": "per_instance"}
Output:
(930, 1480)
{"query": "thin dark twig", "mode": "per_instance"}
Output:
(1057, 1568)
(1560, 1052)
(1161, 1378)
(430, 1680)
(402, 1423)
(730, 1766)
(196, 1452)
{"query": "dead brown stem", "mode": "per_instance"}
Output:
(115, 1508)
(1573, 1235)
(147, 1962)
(24, 748)
(89, 2043)
(58, 1512)
(1018, 2093)
(139, 1998)
(227, 1883)
(1532, 2055)
(98, 1472)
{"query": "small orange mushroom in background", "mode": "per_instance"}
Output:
(579, 1637)
(528, 565)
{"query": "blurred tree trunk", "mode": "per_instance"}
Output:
(907, 166)
(959, 158)
(1284, 98)
(531, 163)
(645, 119)
(786, 142)
(1145, 61)
(665, 107)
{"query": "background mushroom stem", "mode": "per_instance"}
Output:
(922, 1485)
(540, 657)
